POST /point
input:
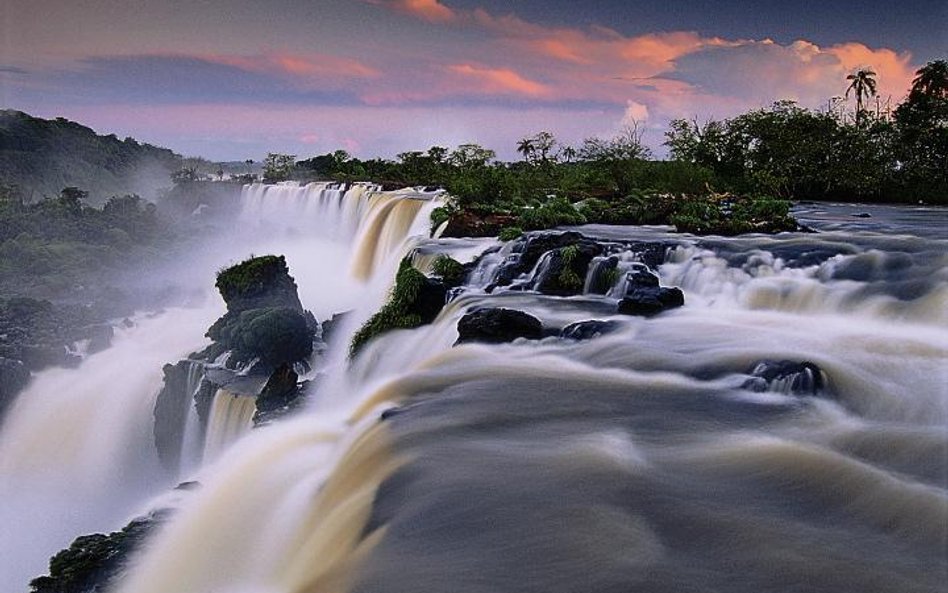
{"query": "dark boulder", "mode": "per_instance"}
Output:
(498, 325)
(258, 282)
(786, 376)
(528, 250)
(640, 277)
(94, 562)
(13, 378)
(274, 335)
(330, 326)
(42, 355)
(651, 300)
(563, 271)
(587, 330)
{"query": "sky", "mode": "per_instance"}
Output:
(234, 79)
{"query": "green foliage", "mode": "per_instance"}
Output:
(557, 211)
(278, 167)
(440, 216)
(258, 281)
(723, 214)
(275, 335)
(449, 270)
(251, 275)
(401, 310)
(510, 233)
(91, 561)
(795, 153)
(43, 156)
(568, 278)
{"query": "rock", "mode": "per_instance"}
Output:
(274, 335)
(466, 224)
(651, 301)
(13, 378)
(40, 356)
(563, 272)
(527, 252)
(93, 562)
(331, 325)
(279, 395)
(498, 325)
(182, 381)
(587, 330)
(259, 282)
(99, 336)
(640, 277)
(786, 376)
(603, 274)
(415, 301)
(862, 215)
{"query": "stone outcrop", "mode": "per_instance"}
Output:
(498, 325)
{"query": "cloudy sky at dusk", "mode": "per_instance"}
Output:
(233, 79)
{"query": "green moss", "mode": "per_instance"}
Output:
(248, 283)
(410, 305)
(449, 269)
(275, 335)
(92, 561)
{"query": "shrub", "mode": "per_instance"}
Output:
(510, 233)
(449, 269)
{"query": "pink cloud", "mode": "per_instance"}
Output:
(499, 80)
(430, 10)
(311, 67)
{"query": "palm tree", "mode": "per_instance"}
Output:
(863, 86)
(526, 147)
(931, 80)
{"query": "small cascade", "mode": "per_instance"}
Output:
(391, 217)
(176, 418)
(230, 418)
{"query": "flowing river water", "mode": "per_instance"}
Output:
(651, 458)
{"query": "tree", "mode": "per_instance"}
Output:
(862, 85)
(526, 148)
(922, 125)
(278, 167)
(931, 80)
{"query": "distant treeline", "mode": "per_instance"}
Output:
(782, 152)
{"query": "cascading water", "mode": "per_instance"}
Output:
(76, 450)
(83, 438)
(785, 430)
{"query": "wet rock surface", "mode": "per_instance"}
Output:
(92, 563)
(498, 325)
(786, 376)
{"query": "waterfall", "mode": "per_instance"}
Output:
(230, 418)
(789, 419)
(82, 439)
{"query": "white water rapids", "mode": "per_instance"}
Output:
(634, 461)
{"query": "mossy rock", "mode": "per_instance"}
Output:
(275, 335)
(416, 300)
(263, 281)
(92, 562)
(450, 270)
